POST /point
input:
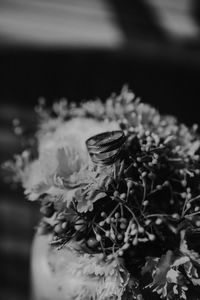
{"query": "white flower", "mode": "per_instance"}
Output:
(62, 155)
(108, 280)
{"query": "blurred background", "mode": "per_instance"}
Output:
(81, 49)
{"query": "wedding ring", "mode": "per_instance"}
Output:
(105, 148)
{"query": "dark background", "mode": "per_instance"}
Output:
(172, 86)
(162, 68)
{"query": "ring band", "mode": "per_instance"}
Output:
(105, 148)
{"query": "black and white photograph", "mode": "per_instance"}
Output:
(99, 149)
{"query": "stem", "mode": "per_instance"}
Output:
(195, 198)
(193, 214)
(144, 190)
(189, 201)
(102, 248)
(122, 211)
(132, 213)
(128, 228)
(156, 215)
(184, 207)
(152, 192)
(114, 210)
(97, 225)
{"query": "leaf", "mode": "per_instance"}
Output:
(151, 263)
(94, 189)
(181, 261)
(162, 268)
(168, 280)
(193, 255)
(196, 281)
(86, 201)
(99, 196)
(172, 276)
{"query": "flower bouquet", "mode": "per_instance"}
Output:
(119, 191)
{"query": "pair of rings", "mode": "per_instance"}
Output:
(105, 148)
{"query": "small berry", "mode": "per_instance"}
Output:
(64, 225)
(92, 242)
(188, 206)
(98, 237)
(183, 195)
(126, 246)
(123, 196)
(159, 187)
(117, 215)
(139, 297)
(130, 184)
(140, 229)
(184, 183)
(135, 241)
(158, 221)
(151, 237)
(198, 223)
(119, 236)
(147, 222)
(134, 232)
(151, 175)
(108, 220)
(123, 226)
(175, 216)
(145, 203)
(58, 228)
(144, 174)
(116, 194)
(107, 233)
(103, 214)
